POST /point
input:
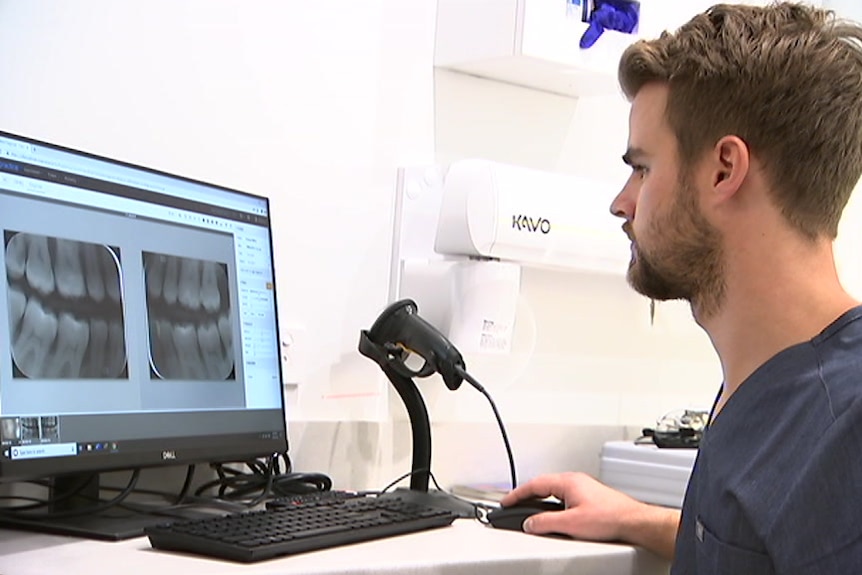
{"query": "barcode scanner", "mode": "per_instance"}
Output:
(398, 331)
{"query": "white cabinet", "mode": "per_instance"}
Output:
(534, 43)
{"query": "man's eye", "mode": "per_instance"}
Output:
(639, 170)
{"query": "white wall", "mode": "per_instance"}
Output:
(313, 104)
(845, 8)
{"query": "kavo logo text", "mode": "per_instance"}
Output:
(525, 223)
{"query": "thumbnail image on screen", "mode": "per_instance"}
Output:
(188, 310)
(65, 308)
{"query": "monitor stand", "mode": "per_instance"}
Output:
(69, 516)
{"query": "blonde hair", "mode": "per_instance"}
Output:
(786, 79)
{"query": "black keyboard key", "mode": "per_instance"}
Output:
(314, 496)
(297, 527)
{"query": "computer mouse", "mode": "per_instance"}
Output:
(513, 517)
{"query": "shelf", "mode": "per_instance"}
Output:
(534, 43)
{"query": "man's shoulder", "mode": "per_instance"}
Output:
(839, 365)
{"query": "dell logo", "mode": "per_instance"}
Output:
(531, 225)
(169, 454)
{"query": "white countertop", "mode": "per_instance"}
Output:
(466, 546)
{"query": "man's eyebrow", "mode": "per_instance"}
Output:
(631, 155)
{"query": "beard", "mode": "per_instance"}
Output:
(684, 257)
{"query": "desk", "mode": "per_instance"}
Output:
(466, 546)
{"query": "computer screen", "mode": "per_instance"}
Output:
(140, 325)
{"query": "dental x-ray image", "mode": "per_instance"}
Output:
(49, 428)
(65, 308)
(29, 429)
(10, 430)
(188, 309)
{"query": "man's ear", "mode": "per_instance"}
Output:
(729, 167)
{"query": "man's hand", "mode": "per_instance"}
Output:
(596, 512)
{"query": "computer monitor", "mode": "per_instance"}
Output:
(140, 325)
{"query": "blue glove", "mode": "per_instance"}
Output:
(620, 15)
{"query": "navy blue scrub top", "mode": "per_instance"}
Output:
(777, 484)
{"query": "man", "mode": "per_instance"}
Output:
(745, 142)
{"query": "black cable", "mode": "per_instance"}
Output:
(288, 464)
(263, 480)
(53, 500)
(176, 499)
(480, 510)
(100, 506)
(266, 491)
(187, 485)
(297, 482)
(229, 482)
(191, 502)
(41, 502)
(472, 381)
(404, 476)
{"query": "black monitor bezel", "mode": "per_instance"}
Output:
(175, 451)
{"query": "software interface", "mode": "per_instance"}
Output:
(138, 306)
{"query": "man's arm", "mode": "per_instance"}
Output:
(653, 528)
(597, 512)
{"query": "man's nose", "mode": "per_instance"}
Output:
(623, 205)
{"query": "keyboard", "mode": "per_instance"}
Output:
(311, 497)
(304, 524)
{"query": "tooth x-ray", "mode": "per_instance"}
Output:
(65, 308)
(188, 309)
(10, 429)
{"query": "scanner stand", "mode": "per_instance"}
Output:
(420, 429)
